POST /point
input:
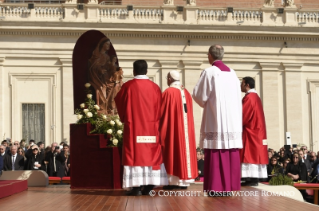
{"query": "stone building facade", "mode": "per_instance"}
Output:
(280, 50)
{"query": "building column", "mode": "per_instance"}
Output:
(271, 103)
(68, 116)
(191, 74)
(2, 77)
(293, 92)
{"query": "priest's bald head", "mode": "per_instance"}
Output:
(172, 76)
(139, 67)
(215, 52)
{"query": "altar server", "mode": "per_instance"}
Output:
(177, 134)
(139, 107)
(254, 155)
(218, 93)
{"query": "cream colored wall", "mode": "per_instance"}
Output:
(36, 63)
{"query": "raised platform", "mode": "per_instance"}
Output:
(93, 164)
(63, 198)
(10, 187)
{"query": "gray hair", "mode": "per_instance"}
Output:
(217, 52)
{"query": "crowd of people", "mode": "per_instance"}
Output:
(300, 164)
(54, 159)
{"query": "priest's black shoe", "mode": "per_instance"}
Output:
(136, 191)
(146, 189)
(169, 187)
(183, 187)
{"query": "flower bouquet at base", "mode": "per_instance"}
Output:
(102, 124)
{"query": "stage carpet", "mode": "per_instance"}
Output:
(61, 197)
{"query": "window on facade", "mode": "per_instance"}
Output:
(33, 124)
(111, 2)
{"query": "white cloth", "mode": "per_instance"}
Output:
(174, 180)
(218, 92)
(141, 77)
(135, 176)
(251, 91)
(253, 170)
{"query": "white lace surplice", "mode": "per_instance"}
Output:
(249, 170)
(135, 176)
(218, 92)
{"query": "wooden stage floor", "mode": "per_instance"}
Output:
(61, 197)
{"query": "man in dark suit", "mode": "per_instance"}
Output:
(1, 164)
(305, 161)
(55, 161)
(14, 161)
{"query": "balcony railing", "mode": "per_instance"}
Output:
(70, 11)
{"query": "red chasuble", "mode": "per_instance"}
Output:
(139, 107)
(173, 135)
(254, 131)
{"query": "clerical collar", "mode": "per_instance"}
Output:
(176, 84)
(251, 91)
(2, 154)
(141, 77)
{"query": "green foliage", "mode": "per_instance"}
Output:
(281, 179)
(102, 124)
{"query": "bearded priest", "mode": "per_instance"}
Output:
(139, 107)
(254, 155)
(177, 134)
(218, 93)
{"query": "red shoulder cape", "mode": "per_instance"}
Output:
(173, 135)
(139, 107)
(254, 131)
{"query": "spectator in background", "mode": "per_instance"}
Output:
(282, 157)
(23, 145)
(297, 170)
(14, 161)
(305, 161)
(270, 155)
(312, 158)
(66, 153)
(21, 151)
(200, 163)
(6, 145)
(16, 143)
(273, 169)
(2, 150)
(285, 164)
(34, 159)
(31, 142)
(46, 151)
(1, 165)
(55, 162)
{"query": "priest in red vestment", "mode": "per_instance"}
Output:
(139, 108)
(177, 134)
(254, 155)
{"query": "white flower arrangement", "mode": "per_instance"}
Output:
(90, 112)
(115, 142)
